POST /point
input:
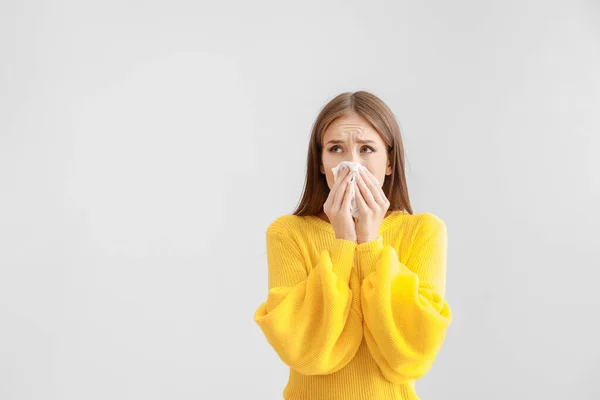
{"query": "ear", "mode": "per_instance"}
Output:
(388, 171)
(322, 169)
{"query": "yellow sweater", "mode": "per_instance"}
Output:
(355, 321)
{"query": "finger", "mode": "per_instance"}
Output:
(340, 178)
(370, 174)
(347, 196)
(360, 200)
(373, 184)
(344, 202)
(335, 188)
(366, 192)
(341, 192)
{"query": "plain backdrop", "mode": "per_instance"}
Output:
(146, 146)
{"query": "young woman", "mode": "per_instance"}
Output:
(356, 306)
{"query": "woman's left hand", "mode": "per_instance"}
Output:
(372, 206)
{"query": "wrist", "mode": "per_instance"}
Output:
(348, 238)
(366, 239)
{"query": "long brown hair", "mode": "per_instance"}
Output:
(381, 118)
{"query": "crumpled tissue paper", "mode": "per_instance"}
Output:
(354, 166)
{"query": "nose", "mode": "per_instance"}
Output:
(354, 157)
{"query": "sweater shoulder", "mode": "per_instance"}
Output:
(285, 224)
(415, 223)
(429, 222)
(409, 229)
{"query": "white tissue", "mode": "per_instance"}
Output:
(354, 166)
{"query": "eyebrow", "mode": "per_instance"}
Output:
(335, 141)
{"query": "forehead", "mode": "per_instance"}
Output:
(351, 126)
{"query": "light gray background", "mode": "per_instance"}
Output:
(146, 146)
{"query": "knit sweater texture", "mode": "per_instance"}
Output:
(355, 321)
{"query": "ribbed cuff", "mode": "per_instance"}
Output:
(368, 254)
(342, 257)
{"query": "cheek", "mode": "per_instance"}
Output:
(328, 176)
(328, 173)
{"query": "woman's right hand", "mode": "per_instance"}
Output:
(337, 207)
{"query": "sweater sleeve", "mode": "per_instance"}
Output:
(405, 314)
(313, 320)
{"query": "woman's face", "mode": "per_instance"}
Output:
(352, 138)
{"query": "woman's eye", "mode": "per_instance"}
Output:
(366, 147)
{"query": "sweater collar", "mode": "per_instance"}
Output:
(386, 223)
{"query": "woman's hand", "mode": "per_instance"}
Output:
(337, 207)
(372, 206)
